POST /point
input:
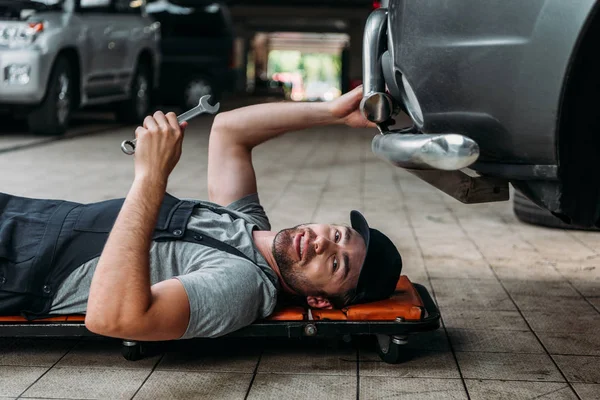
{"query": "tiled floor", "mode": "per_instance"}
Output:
(520, 304)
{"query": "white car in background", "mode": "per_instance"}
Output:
(60, 55)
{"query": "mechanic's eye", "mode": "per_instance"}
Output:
(337, 236)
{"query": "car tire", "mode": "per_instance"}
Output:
(195, 87)
(137, 107)
(53, 115)
(529, 212)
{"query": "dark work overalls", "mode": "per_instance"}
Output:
(43, 241)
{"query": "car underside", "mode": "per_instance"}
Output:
(492, 103)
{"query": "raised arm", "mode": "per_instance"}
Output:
(235, 133)
(122, 303)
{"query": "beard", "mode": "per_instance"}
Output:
(289, 268)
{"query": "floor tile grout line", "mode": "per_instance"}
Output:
(528, 353)
(567, 280)
(75, 135)
(572, 236)
(469, 379)
(49, 369)
(414, 234)
(254, 374)
(489, 265)
(149, 375)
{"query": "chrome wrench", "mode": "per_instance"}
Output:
(128, 146)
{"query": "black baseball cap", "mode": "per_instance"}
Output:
(382, 266)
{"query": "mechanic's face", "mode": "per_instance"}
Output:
(319, 258)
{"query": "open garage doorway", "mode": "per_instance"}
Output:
(299, 66)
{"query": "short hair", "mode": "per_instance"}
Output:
(341, 300)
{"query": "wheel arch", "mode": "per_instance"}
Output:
(578, 127)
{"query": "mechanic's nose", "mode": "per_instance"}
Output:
(321, 243)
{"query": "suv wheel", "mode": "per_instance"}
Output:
(53, 115)
(194, 88)
(137, 107)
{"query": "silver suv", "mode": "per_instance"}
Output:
(60, 55)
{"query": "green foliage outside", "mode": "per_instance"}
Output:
(314, 67)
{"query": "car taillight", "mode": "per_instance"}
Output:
(376, 4)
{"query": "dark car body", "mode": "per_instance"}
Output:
(519, 78)
(197, 50)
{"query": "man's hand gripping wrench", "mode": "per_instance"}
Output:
(128, 146)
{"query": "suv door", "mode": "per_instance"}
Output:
(102, 63)
(125, 37)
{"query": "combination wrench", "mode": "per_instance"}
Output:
(128, 146)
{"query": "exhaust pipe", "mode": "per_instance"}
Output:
(448, 152)
(377, 106)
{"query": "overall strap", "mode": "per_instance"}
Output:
(202, 238)
(186, 235)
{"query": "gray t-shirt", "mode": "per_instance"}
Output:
(226, 292)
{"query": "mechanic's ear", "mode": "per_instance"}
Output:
(318, 302)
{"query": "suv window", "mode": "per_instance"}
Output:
(20, 10)
(85, 6)
(185, 18)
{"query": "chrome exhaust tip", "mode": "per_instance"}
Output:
(447, 152)
(377, 107)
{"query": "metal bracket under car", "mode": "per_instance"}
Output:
(440, 160)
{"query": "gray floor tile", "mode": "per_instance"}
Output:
(585, 369)
(308, 360)
(587, 391)
(587, 287)
(471, 295)
(14, 380)
(558, 288)
(88, 383)
(214, 356)
(490, 320)
(383, 388)
(458, 268)
(576, 322)
(494, 341)
(417, 364)
(103, 354)
(517, 269)
(552, 303)
(33, 352)
(500, 390)
(571, 343)
(433, 341)
(595, 302)
(194, 385)
(519, 367)
(314, 387)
